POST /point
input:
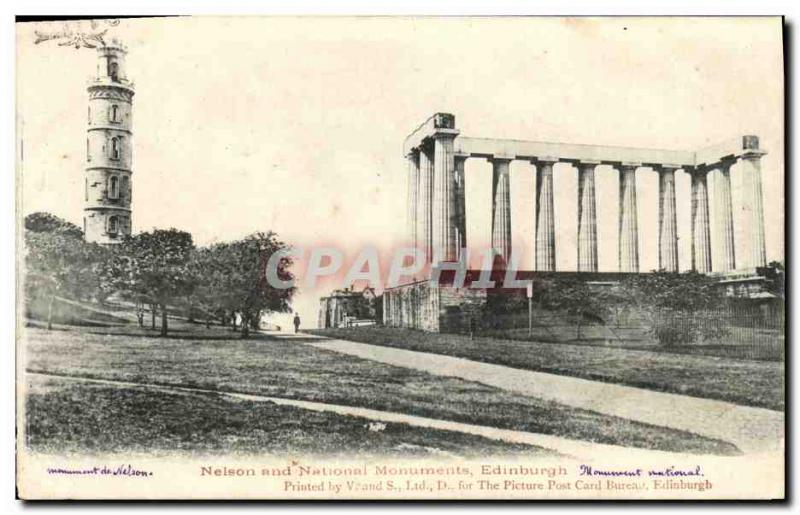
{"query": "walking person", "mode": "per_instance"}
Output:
(296, 322)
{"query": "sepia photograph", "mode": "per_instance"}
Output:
(400, 258)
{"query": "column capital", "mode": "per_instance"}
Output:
(584, 164)
(445, 133)
(426, 145)
(629, 164)
(544, 159)
(753, 154)
(726, 162)
(696, 170)
(460, 155)
(666, 167)
(501, 157)
(699, 170)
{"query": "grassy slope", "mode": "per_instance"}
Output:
(294, 370)
(64, 416)
(752, 383)
(71, 312)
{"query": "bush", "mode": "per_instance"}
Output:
(678, 307)
(673, 334)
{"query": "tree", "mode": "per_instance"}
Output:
(59, 263)
(677, 305)
(234, 277)
(211, 294)
(775, 275)
(154, 267)
(575, 297)
(41, 222)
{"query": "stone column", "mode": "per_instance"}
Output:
(628, 223)
(701, 228)
(501, 207)
(414, 301)
(445, 246)
(461, 206)
(545, 218)
(724, 215)
(425, 201)
(753, 207)
(667, 219)
(587, 217)
(413, 196)
(395, 308)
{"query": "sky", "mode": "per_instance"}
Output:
(296, 125)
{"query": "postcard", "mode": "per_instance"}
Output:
(400, 258)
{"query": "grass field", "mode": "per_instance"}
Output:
(65, 416)
(71, 312)
(747, 382)
(214, 360)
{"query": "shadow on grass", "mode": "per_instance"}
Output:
(200, 334)
(171, 335)
(183, 331)
(74, 325)
(295, 337)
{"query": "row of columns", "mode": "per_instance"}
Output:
(436, 207)
(437, 217)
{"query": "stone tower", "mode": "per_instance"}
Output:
(107, 182)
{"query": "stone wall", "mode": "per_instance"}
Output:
(431, 308)
(458, 306)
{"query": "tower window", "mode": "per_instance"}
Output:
(126, 187)
(88, 151)
(113, 71)
(116, 149)
(89, 114)
(114, 114)
(113, 187)
(113, 225)
(85, 193)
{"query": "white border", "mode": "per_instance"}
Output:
(394, 7)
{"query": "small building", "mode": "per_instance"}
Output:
(745, 283)
(348, 307)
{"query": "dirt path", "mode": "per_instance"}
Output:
(570, 448)
(750, 429)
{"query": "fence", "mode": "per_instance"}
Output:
(736, 330)
(755, 331)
